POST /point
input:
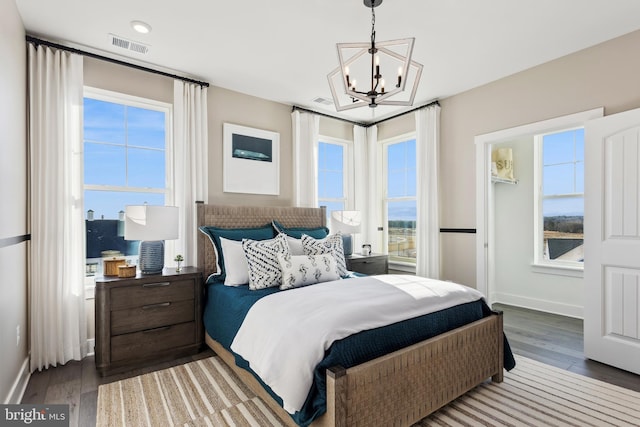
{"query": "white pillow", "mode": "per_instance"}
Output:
(262, 258)
(235, 263)
(332, 244)
(295, 246)
(302, 270)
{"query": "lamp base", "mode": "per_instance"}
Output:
(347, 247)
(151, 258)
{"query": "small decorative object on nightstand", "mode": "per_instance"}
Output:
(147, 318)
(371, 264)
(178, 259)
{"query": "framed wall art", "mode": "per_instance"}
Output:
(251, 160)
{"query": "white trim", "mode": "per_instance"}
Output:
(539, 305)
(558, 270)
(19, 385)
(485, 257)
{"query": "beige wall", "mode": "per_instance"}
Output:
(605, 75)
(226, 106)
(13, 210)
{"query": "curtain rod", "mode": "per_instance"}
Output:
(366, 125)
(37, 41)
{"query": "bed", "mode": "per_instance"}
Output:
(397, 388)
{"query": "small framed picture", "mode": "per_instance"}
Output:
(251, 162)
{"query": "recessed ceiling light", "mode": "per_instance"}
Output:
(141, 27)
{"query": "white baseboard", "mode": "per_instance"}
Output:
(553, 307)
(19, 385)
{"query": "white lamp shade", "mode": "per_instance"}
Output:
(151, 222)
(346, 222)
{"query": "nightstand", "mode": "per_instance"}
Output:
(371, 264)
(147, 318)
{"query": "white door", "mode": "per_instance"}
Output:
(612, 240)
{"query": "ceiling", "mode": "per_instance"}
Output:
(283, 50)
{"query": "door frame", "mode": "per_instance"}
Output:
(485, 253)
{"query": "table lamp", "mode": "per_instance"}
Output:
(348, 223)
(151, 225)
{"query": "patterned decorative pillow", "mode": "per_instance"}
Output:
(332, 244)
(262, 258)
(305, 270)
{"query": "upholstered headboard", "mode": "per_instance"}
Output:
(249, 216)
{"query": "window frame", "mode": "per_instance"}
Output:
(562, 267)
(347, 173)
(384, 144)
(148, 104)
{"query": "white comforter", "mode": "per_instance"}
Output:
(285, 334)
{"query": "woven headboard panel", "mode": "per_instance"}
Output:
(249, 216)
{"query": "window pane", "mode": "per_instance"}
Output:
(104, 121)
(330, 171)
(401, 169)
(558, 179)
(145, 128)
(558, 148)
(580, 177)
(104, 164)
(146, 168)
(402, 230)
(330, 185)
(563, 229)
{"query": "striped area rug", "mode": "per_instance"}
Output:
(208, 393)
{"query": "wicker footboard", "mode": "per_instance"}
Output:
(403, 387)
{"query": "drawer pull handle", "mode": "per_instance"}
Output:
(150, 306)
(163, 328)
(155, 285)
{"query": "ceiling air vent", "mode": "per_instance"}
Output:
(321, 100)
(122, 43)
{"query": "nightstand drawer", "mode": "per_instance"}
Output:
(139, 345)
(151, 293)
(151, 316)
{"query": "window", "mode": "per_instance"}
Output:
(400, 199)
(332, 182)
(125, 163)
(560, 198)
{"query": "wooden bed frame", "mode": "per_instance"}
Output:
(399, 388)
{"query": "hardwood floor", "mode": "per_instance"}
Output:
(548, 338)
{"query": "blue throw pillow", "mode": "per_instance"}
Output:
(215, 233)
(297, 232)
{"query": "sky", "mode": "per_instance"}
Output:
(563, 172)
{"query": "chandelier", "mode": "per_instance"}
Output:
(371, 58)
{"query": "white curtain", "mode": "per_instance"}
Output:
(305, 158)
(57, 316)
(427, 227)
(190, 141)
(366, 170)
